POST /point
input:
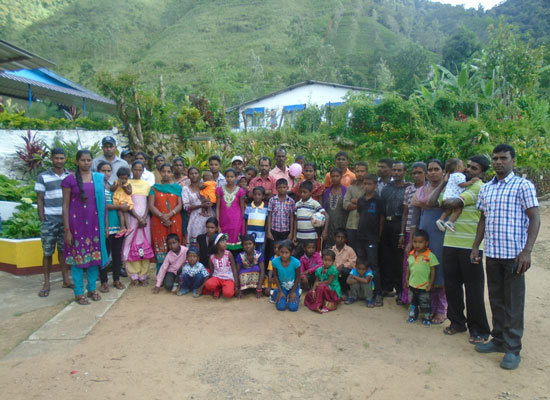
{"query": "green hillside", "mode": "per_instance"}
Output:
(237, 49)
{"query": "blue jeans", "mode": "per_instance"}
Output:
(285, 302)
(191, 282)
(78, 279)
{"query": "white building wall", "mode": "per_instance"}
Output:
(10, 140)
(311, 94)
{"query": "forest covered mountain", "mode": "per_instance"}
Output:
(238, 49)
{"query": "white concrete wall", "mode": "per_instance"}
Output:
(11, 139)
(312, 94)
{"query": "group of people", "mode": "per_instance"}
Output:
(278, 231)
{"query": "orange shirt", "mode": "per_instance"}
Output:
(347, 178)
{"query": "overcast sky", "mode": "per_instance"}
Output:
(487, 4)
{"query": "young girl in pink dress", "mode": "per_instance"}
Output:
(224, 271)
(230, 207)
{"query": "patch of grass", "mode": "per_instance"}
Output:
(18, 314)
(366, 345)
(430, 369)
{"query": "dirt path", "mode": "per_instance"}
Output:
(163, 346)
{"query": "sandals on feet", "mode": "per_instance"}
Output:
(67, 286)
(44, 292)
(477, 339)
(119, 285)
(94, 295)
(104, 288)
(82, 300)
(449, 331)
(438, 319)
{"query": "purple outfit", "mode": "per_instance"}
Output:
(84, 226)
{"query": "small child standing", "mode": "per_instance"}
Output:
(286, 272)
(345, 258)
(420, 277)
(224, 276)
(371, 222)
(243, 184)
(251, 267)
(281, 213)
(123, 196)
(456, 184)
(309, 263)
(255, 217)
(207, 191)
(173, 262)
(326, 293)
(269, 282)
(361, 285)
(193, 274)
(305, 208)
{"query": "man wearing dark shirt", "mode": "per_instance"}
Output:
(391, 256)
(371, 222)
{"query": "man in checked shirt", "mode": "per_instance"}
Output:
(510, 224)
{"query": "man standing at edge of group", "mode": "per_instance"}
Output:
(280, 170)
(264, 179)
(108, 145)
(49, 200)
(342, 162)
(355, 191)
(391, 257)
(215, 164)
(384, 173)
(510, 223)
(461, 275)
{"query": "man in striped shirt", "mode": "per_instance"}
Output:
(510, 224)
(49, 198)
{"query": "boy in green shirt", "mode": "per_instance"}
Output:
(420, 277)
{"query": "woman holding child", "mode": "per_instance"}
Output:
(192, 203)
(140, 223)
(424, 218)
(165, 206)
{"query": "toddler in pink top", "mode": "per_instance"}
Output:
(175, 259)
(309, 262)
(224, 270)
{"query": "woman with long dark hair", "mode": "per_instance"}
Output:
(85, 224)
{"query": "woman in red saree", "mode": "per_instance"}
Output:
(165, 206)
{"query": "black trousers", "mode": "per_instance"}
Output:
(507, 300)
(169, 280)
(463, 277)
(391, 257)
(352, 239)
(367, 253)
(114, 248)
(277, 237)
(343, 278)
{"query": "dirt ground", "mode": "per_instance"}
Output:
(20, 325)
(163, 346)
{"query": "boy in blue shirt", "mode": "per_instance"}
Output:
(361, 285)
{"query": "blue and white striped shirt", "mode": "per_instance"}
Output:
(504, 203)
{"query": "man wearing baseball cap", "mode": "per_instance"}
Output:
(237, 162)
(108, 145)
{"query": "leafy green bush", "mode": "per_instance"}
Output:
(21, 121)
(12, 190)
(24, 224)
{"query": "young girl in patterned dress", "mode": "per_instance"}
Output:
(224, 275)
(251, 267)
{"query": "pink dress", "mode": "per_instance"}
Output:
(231, 217)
